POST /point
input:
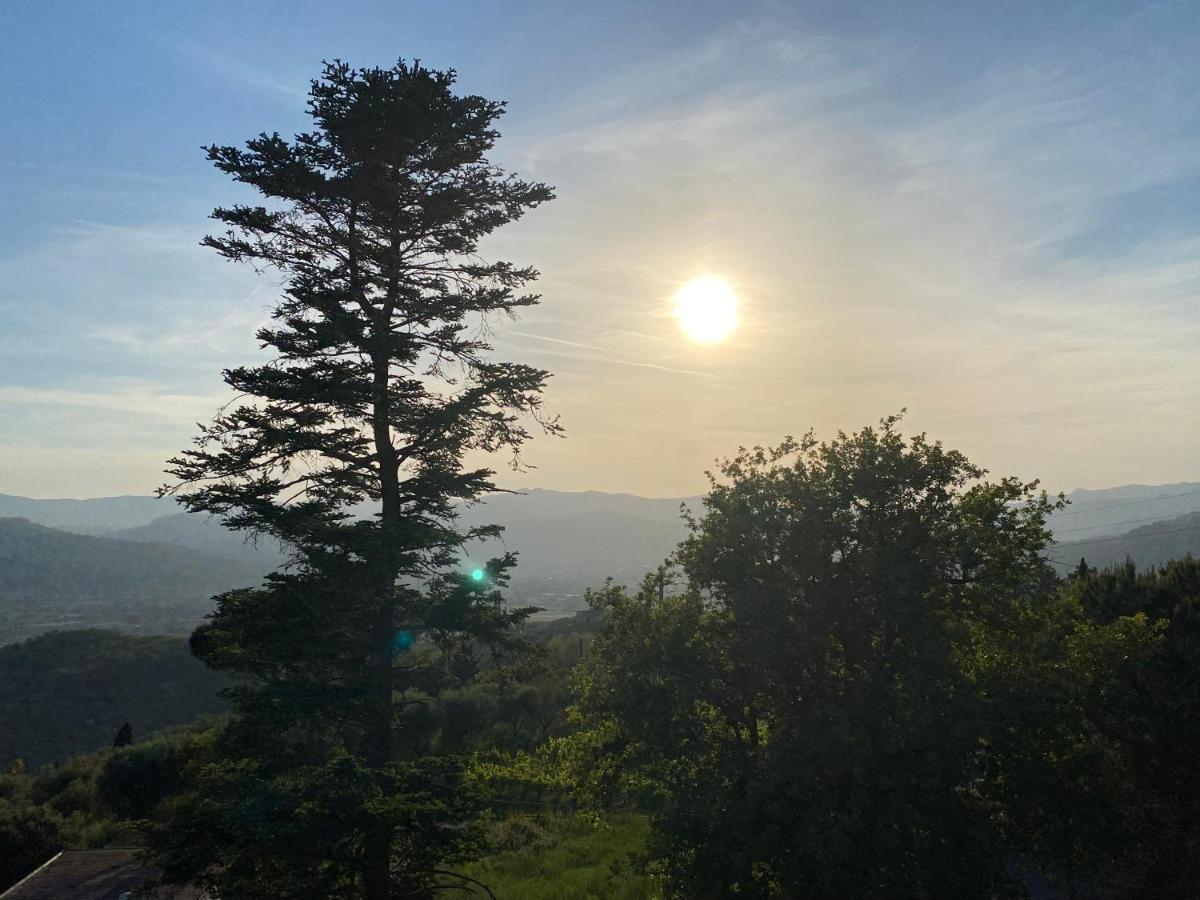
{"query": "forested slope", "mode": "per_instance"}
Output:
(54, 579)
(1148, 545)
(69, 692)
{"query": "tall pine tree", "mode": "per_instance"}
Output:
(381, 385)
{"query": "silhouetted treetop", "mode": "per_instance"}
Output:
(382, 366)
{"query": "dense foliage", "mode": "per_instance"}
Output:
(118, 795)
(1082, 782)
(1144, 727)
(870, 686)
(90, 801)
(69, 692)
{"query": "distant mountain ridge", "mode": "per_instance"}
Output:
(1148, 545)
(92, 516)
(205, 534)
(52, 579)
(567, 542)
(1092, 512)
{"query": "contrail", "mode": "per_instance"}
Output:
(541, 337)
(609, 359)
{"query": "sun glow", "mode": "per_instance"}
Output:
(707, 309)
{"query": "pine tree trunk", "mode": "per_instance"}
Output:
(377, 846)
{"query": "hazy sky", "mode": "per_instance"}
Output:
(986, 213)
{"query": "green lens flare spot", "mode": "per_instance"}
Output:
(477, 575)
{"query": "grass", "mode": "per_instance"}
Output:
(558, 857)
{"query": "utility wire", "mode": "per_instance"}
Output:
(1118, 524)
(1128, 537)
(1076, 512)
(1059, 562)
(1138, 537)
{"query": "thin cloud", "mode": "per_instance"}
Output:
(542, 337)
(136, 400)
(902, 240)
(606, 358)
(290, 91)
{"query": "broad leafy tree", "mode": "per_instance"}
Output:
(869, 684)
(804, 716)
(353, 446)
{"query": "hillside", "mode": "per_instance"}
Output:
(1112, 511)
(93, 516)
(1147, 545)
(52, 579)
(567, 542)
(571, 541)
(1091, 513)
(205, 534)
(69, 692)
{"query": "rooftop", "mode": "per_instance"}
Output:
(97, 875)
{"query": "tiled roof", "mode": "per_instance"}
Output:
(97, 875)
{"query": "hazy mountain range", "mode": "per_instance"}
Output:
(139, 564)
(52, 580)
(1092, 513)
(102, 515)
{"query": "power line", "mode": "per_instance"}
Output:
(1138, 537)
(1077, 512)
(1128, 537)
(1116, 524)
(1059, 562)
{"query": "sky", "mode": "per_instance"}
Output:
(987, 214)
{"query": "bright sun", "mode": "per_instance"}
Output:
(707, 309)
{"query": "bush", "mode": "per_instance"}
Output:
(29, 835)
(135, 779)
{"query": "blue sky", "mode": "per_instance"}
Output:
(986, 213)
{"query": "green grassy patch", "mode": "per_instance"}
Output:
(565, 858)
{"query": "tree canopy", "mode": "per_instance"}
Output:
(838, 699)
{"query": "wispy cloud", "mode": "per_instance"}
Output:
(553, 340)
(604, 355)
(129, 400)
(149, 291)
(898, 241)
(292, 91)
(981, 241)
